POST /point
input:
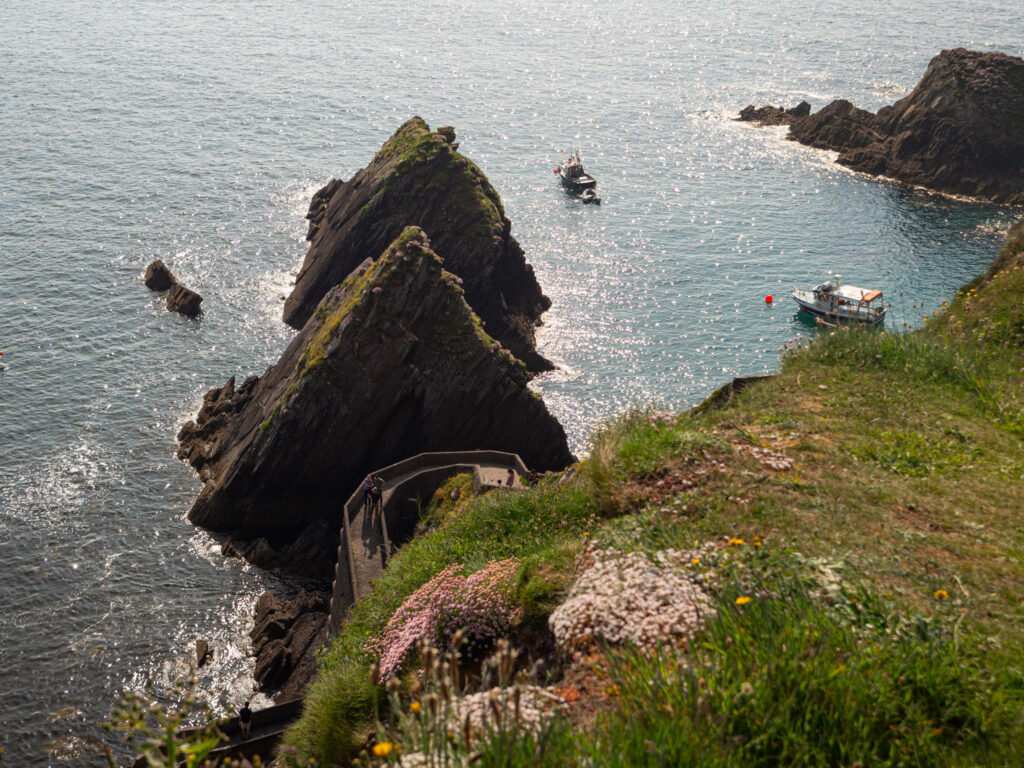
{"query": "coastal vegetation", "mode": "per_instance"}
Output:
(848, 535)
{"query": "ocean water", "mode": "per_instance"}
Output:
(195, 132)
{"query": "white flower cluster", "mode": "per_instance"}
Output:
(628, 597)
(525, 707)
(519, 707)
(772, 459)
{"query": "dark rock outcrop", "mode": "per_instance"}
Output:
(313, 554)
(204, 653)
(179, 298)
(960, 131)
(183, 300)
(285, 638)
(393, 362)
(417, 178)
(774, 115)
(158, 276)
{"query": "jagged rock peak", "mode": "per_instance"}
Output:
(419, 179)
(391, 363)
(960, 131)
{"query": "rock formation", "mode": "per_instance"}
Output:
(392, 362)
(774, 115)
(960, 131)
(158, 276)
(179, 298)
(285, 638)
(417, 178)
(183, 300)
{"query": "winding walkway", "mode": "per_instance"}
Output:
(365, 541)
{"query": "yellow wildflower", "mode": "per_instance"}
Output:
(415, 706)
(941, 594)
(734, 542)
(695, 561)
(383, 749)
(742, 600)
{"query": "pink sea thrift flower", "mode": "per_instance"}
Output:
(479, 604)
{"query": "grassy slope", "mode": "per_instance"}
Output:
(900, 458)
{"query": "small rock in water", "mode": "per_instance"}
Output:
(204, 653)
(158, 276)
(184, 301)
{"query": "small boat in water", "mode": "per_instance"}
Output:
(833, 302)
(573, 175)
(590, 196)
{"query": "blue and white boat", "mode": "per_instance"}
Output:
(833, 302)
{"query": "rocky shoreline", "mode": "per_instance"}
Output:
(960, 131)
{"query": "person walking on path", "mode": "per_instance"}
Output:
(245, 721)
(510, 480)
(377, 493)
(369, 486)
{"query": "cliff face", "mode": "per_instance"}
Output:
(417, 178)
(960, 131)
(392, 362)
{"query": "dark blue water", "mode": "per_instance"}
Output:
(196, 132)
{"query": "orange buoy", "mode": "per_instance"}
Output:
(768, 299)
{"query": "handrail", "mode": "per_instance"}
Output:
(423, 462)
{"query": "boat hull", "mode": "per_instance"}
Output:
(840, 314)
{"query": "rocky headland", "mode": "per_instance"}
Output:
(392, 362)
(960, 131)
(418, 178)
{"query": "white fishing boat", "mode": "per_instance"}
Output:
(834, 302)
(573, 176)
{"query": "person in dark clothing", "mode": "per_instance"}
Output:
(245, 720)
(368, 492)
(377, 493)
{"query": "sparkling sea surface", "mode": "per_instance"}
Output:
(196, 132)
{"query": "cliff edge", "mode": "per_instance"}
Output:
(418, 179)
(960, 131)
(392, 362)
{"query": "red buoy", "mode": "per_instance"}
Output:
(768, 299)
(556, 170)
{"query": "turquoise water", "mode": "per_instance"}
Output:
(197, 132)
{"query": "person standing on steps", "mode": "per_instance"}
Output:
(377, 492)
(369, 486)
(245, 721)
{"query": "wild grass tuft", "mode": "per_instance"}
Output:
(788, 674)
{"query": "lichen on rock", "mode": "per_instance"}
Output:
(393, 362)
(419, 179)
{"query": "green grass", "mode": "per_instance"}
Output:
(790, 679)
(898, 459)
(536, 525)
